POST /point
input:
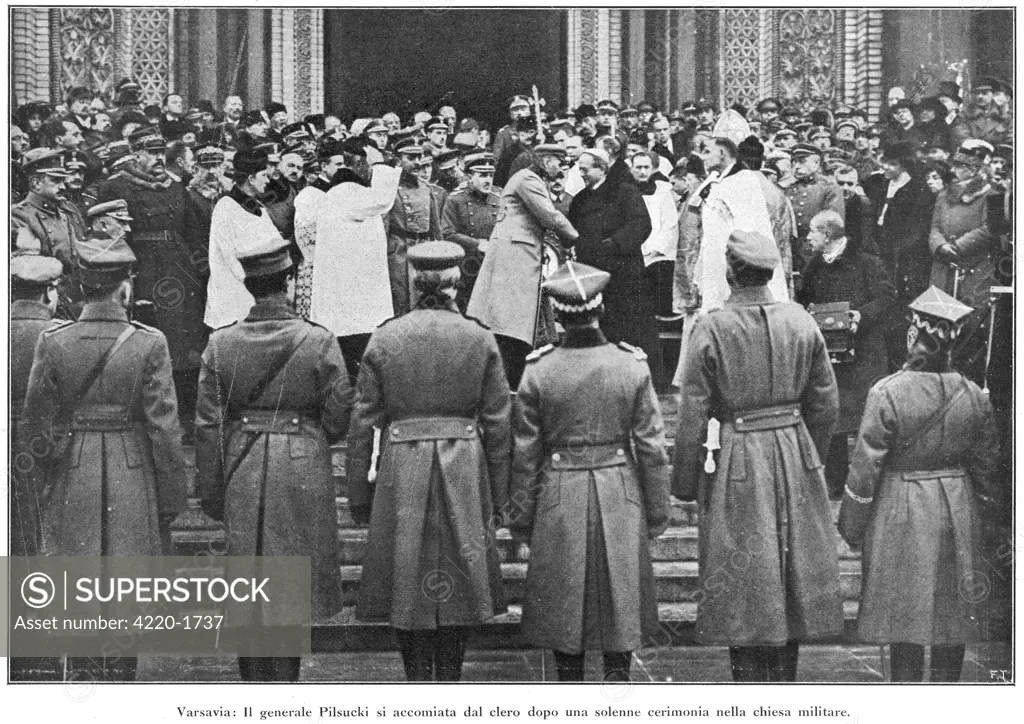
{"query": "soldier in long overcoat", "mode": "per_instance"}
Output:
(589, 485)
(273, 397)
(769, 569)
(105, 384)
(921, 482)
(432, 382)
(958, 239)
(506, 296)
(33, 289)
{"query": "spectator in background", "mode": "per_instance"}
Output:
(859, 213)
(840, 271)
(659, 249)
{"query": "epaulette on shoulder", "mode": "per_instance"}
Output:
(145, 327)
(885, 381)
(474, 319)
(57, 325)
(539, 352)
(637, 353)
(316, 324)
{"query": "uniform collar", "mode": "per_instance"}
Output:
(265, 309)
(107, 310)
(30, 309)
(583, 337)
(747, 296)
(38, 201)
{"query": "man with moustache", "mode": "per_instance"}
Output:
(812, 193)
(469, 218)
(414, 217)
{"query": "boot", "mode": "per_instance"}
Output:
(616, 665)
(781, 661)
(748, 663)
(907, 662)
(449, 653)
(417, 654)
(947, 661)
(570, 666)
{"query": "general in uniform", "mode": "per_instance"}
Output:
(589, 486)
(769, 570)
(414, 217)
(273, 397)
(920, 485)
(469, 218)
(506, 296)
(169, 275)
(41, 224)
(810, 194)
(105, 383)
(432, 381)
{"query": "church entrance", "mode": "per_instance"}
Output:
(408, 60)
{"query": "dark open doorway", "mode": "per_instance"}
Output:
(406, 60)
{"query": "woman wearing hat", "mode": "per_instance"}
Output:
(918, 488)
(431, 567)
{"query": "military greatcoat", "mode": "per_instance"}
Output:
(273, 397)
(170, 270)
(590, 480)
(124, 466)
(506, 296)
(434, 383)
(29, 319)
(923, 566)
(959, 219)
(769, 569)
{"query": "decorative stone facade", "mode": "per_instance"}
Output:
(55, 49)
(813, 56)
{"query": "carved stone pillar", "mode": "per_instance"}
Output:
(297, 60)
(30, 50)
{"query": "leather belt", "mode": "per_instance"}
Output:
(432, 428)
(587, 456)
(102, 418)
(418, 235)
(933, 474)
(766, 418)
(277, 421)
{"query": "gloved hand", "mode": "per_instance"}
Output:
(654, 531)
(361, 514)
(947, 253)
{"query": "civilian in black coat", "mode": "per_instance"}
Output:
(613, 223)
(839, 271)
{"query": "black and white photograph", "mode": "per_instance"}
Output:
(641, 347)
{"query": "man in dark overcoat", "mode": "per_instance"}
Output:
(613, 224)
(769, 570)
(273, 397)
(169, 274)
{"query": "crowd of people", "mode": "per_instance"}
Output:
(274, 280)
